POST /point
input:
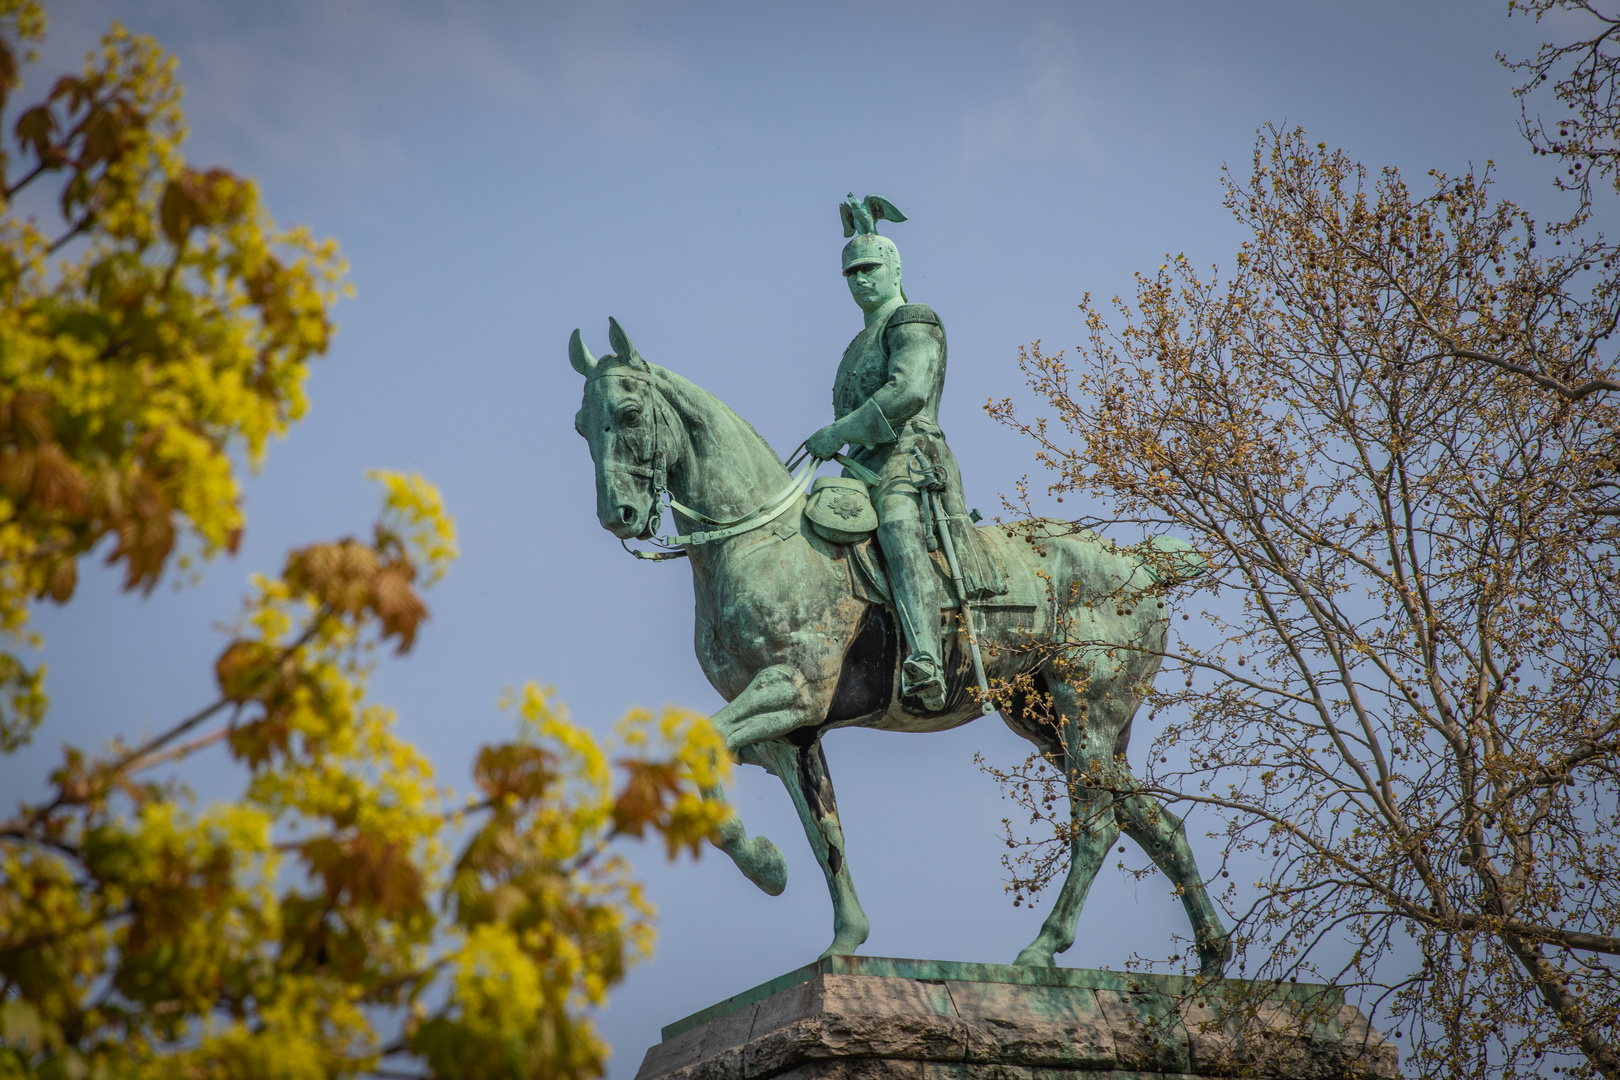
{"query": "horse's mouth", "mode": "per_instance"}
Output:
(634, 529)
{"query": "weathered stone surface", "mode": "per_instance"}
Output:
(1034, 1025)
(713, 1051)
(876, 1018)
(1242, 1033)
(968, 1071)
(1148, 1034)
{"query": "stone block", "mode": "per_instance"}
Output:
(877, 1018)
(1148, 1033)
(1034, 1025)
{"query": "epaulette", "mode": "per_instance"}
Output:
(913, 313)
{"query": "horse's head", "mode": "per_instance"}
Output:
(625, 420)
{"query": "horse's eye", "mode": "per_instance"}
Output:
(629, 417)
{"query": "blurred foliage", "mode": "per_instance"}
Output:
(160, 327)
(345, 915)
(320, 925)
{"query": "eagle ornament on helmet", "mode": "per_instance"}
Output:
(860, 217)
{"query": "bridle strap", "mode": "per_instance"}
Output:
(657, 477)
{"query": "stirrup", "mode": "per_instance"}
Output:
(920, 677)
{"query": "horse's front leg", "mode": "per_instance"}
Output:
(759, 860)
(802, 768)
(777, 700)
(763, 725)
(773, 702)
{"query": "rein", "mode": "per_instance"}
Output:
(768, 512)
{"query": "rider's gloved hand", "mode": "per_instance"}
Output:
(825, 443)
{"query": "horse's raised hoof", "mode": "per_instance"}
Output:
(1035, 956)
(762, 863)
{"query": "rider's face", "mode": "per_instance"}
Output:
(872, 284)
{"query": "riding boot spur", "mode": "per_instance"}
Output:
(917, 598)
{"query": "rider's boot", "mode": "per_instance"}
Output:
(917, 595)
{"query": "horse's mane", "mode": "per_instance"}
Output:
(700, 408)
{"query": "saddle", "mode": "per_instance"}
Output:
(840, 510)
(869, 578)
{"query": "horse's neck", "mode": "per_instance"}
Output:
(723, 467)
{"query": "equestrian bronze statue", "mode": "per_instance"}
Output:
(872, 599)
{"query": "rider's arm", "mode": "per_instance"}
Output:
(916, 365)
(916, 347)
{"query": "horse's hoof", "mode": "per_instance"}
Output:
(765, 866)
(848, 937)
(843, 945)
(1035, 956)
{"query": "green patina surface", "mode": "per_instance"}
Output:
(799, 644)
(1014, 974)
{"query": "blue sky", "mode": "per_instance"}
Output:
(499, 174)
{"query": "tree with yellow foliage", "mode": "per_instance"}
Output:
(346, 914)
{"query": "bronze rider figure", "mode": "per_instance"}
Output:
(886, 405)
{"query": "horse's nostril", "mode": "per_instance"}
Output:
(626, 513)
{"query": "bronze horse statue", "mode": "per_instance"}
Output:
(797, 644)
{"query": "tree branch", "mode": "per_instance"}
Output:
(1562, 389)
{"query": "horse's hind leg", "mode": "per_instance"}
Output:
(1162, 835)
(802, 768)
(1089, 749)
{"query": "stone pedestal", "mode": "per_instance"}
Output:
(873, 1018)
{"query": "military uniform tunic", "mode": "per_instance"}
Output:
(904, 380)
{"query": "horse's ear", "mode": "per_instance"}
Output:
(621, 345)
(580, 356)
